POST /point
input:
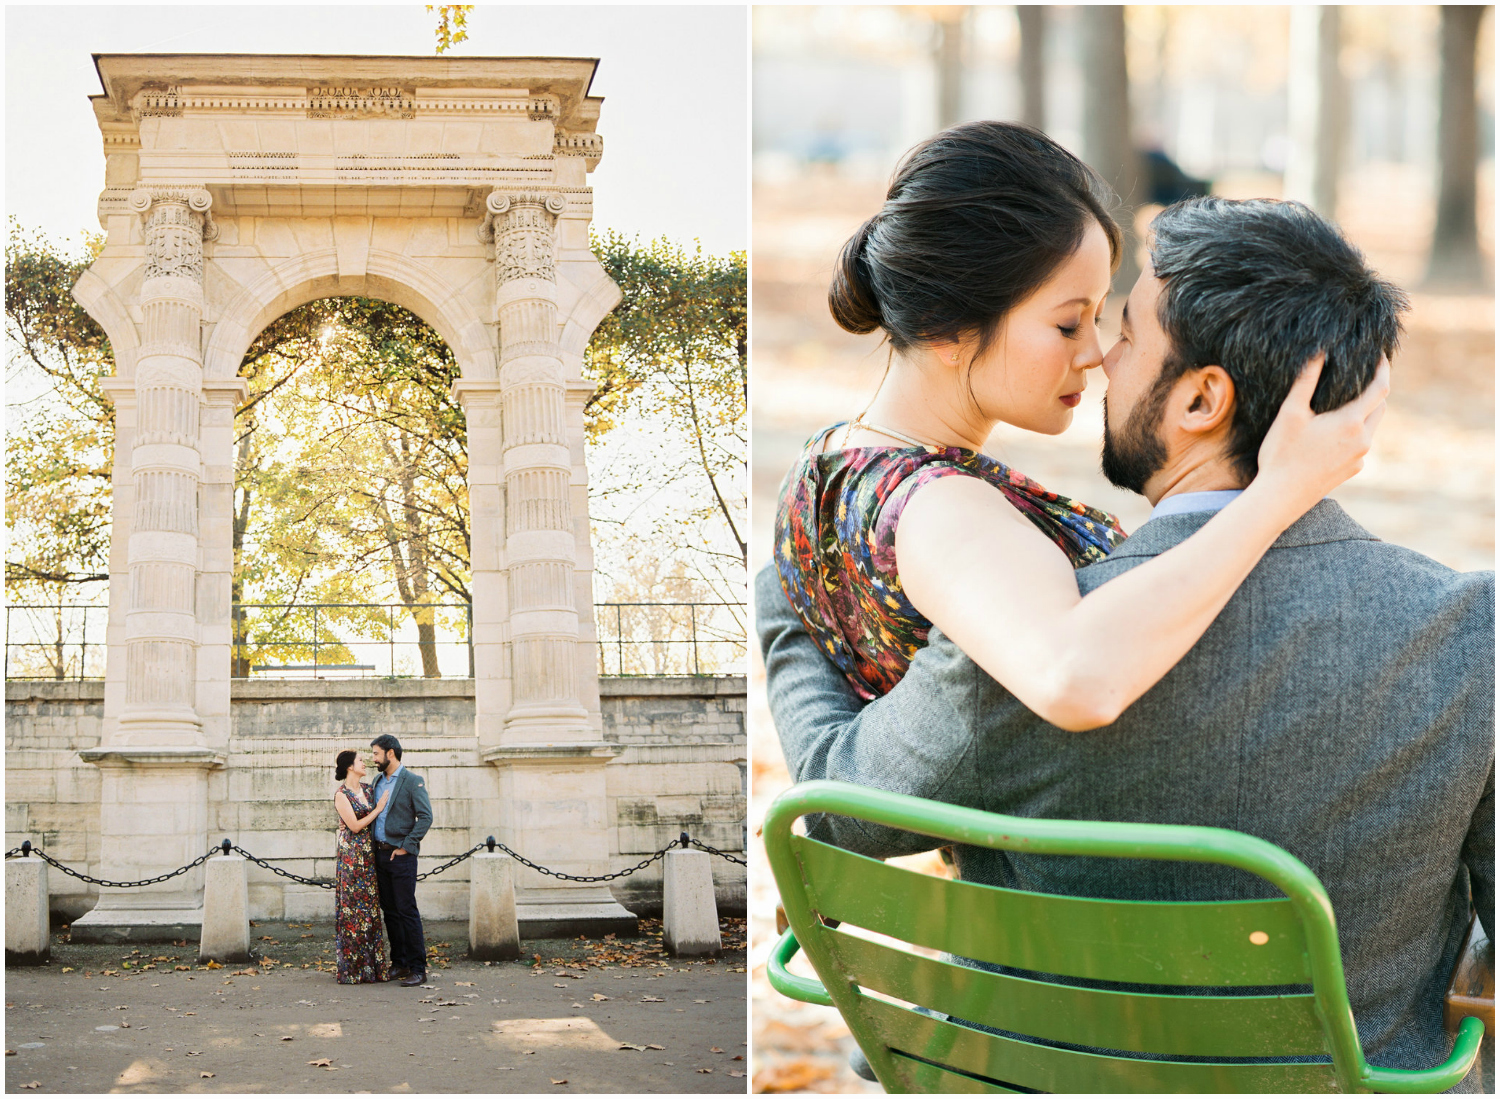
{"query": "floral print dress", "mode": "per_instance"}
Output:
(836, 546)
(358, 944)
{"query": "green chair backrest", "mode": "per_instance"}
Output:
(1156, 1040)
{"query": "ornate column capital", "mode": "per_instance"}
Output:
(185, 208)
(521, 223)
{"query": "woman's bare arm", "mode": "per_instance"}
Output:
(975, 566)
(346, 811)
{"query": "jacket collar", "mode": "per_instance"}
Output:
(1324, 522)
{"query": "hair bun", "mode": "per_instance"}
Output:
(341, 764)
(851, 297)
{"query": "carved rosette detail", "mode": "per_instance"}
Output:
(523, 225)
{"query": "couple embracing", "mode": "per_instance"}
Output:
(937, 624)
(380, 831)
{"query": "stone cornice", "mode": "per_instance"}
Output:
(154, 757)
(554, 88)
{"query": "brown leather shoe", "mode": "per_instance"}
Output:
(414, 980)
(398, 973)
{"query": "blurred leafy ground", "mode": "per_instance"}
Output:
(1429, 484)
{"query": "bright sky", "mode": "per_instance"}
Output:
(674, 82)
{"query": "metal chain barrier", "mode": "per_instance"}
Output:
(490, 843)
(26, 849)
(713, 850)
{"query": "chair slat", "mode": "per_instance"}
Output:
(1145, 942)
(1045, 1068)
(1201, 1026)
(928, 1079)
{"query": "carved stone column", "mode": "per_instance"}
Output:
(550, 755)
(154, 808)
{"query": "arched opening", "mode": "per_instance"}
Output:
(350, 525)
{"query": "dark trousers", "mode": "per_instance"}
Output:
(397, 879)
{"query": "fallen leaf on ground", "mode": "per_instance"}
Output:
(631, 1045)
(798, 1075)
(67, 969)
(715, 1049)
(321, 1062)
(705, 1070)
(563, 1081)
(559, 984)
(733, 1073)
(737, 1057)
(286, 1037)
(211, 964)
(702, 1001)
(205, 1076)
(10, 1053)
(598, 996)
(33, 1084)
(656, 1047)
(652, 1000)
(464, 984)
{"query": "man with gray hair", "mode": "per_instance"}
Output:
(1341, 706)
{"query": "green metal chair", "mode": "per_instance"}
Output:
(1232, 944)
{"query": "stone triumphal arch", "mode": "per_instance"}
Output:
(236, 188)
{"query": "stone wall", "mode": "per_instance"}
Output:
(681, 767)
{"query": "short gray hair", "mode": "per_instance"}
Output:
(1259, 287)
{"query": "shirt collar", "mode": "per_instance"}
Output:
(1184, 502)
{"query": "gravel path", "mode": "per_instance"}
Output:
(558, 1021)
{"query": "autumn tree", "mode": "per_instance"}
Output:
(675, 353)
(351, 474)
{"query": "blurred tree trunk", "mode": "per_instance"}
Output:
(1455, 260)
(1107, 144)
(949, 57)
(1032, 19)
(1317, 108)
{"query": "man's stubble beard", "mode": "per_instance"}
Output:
(1134, 455)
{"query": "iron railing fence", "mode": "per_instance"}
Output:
(351, 641)
(670, 639)
(55, 641)
(61, 641)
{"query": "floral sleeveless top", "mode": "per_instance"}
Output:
(836, 546)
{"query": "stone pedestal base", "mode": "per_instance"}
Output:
(555, 815)
(139, 922)
(568, 921)
(153, 816)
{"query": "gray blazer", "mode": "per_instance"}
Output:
(408, 813)
(1341, 706)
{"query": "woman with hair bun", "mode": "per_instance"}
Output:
(359, 948)
(987, 268)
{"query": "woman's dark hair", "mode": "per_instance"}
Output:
(976, 219)
(342, 763)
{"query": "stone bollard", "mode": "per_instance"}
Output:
(226, 911)
(689, 914)
(494, 933)
(28, 938)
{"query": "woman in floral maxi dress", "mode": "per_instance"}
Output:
(358, 943)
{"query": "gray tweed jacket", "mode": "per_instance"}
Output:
(408, 814)
(1341, 706)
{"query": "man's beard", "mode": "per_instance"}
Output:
(1136, 454)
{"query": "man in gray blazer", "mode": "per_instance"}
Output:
(1341, 706)
(398, 837)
